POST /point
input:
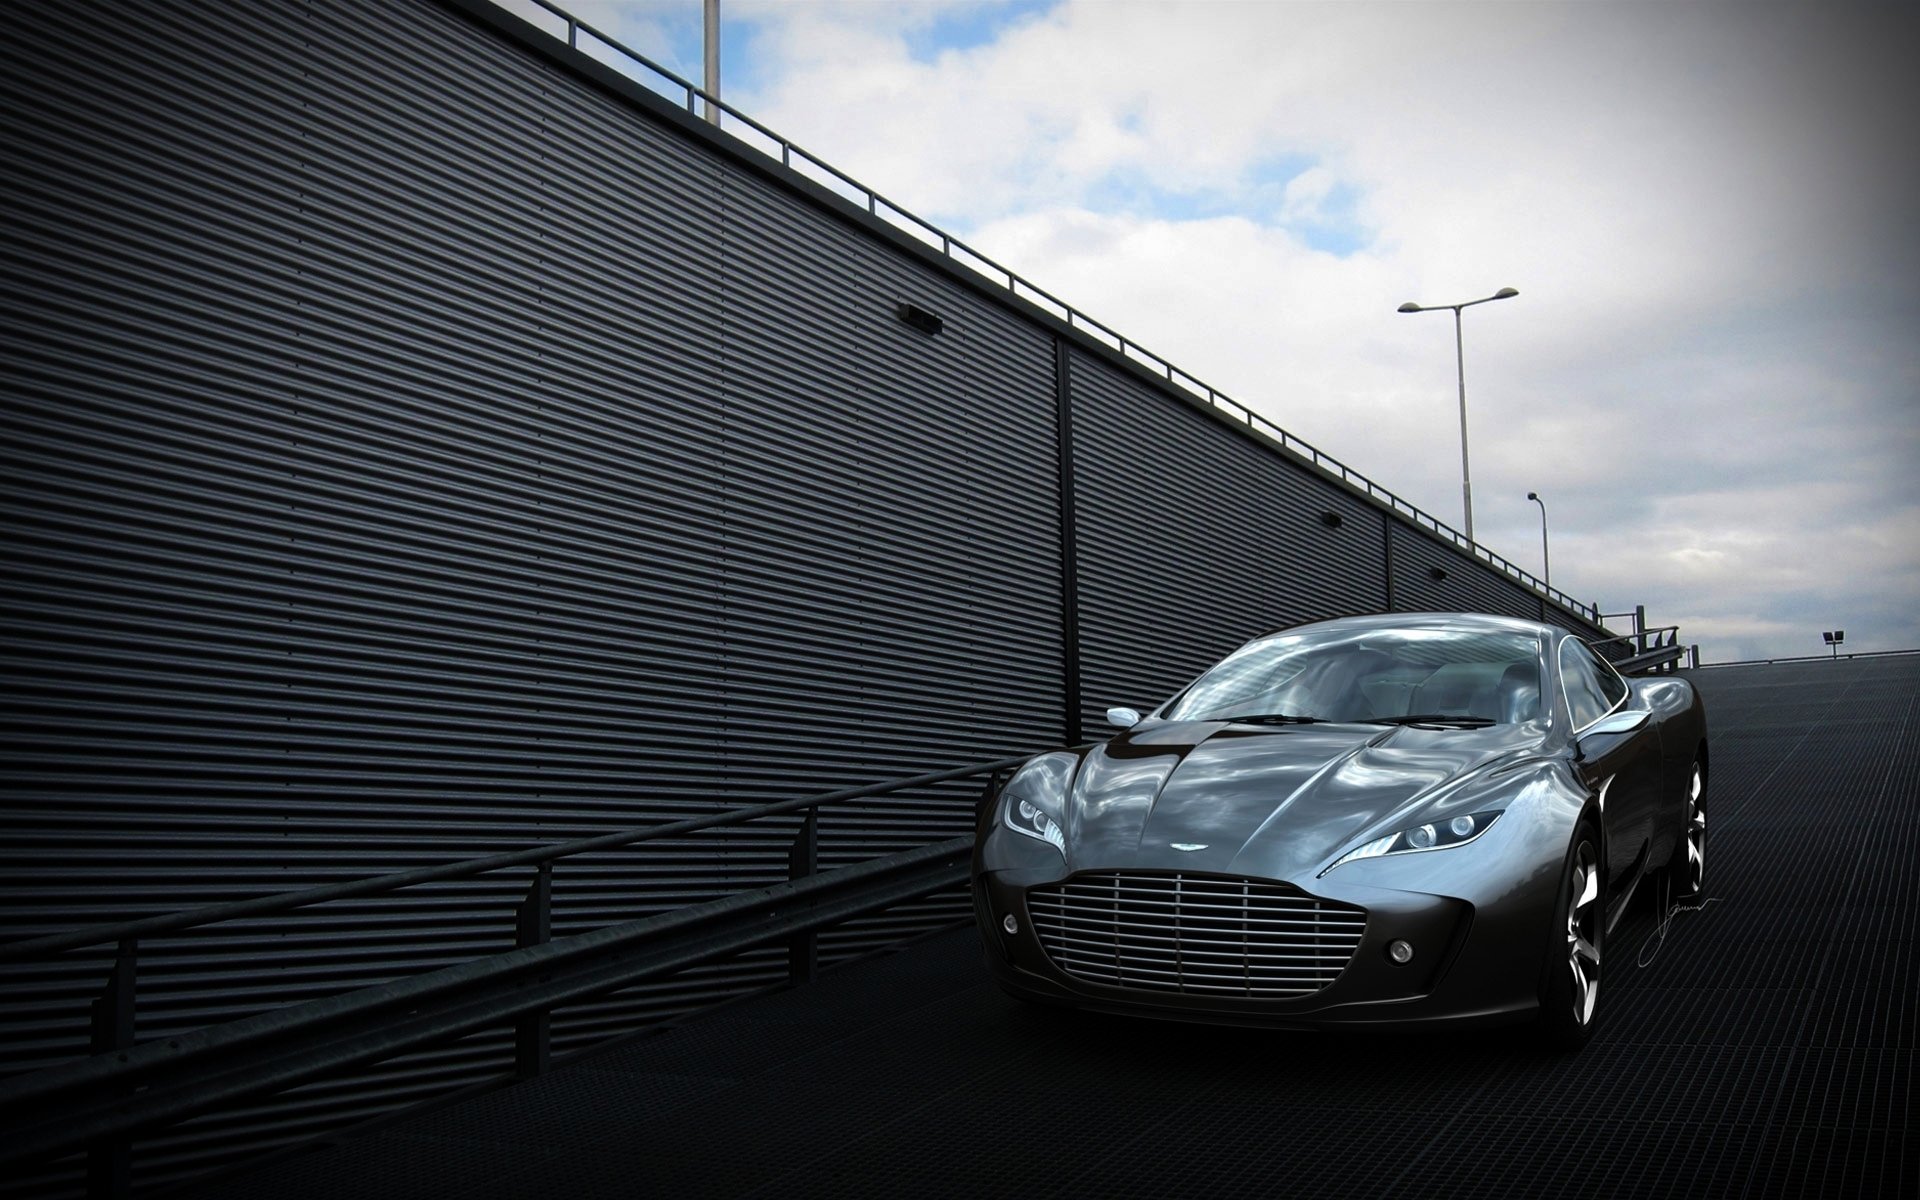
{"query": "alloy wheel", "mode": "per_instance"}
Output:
(1696, 833)
(1583, 934)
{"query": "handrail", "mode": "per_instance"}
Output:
(96, 935)
(101, 1101)
(1658, 656)
(960, 252)
(1799, 658)
(1673, 632)
(1651, 646)
(102, 1115)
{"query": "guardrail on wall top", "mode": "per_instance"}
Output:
(610, 52)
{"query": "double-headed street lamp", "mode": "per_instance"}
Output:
(1460, 360)
(1546, 564)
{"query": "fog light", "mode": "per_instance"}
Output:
(1400, 951)
(1009, 924)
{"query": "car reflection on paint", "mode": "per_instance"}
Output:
(1405, 819)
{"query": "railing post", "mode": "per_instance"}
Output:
(1640, 628)
(1693, 656)
(533, 926)
(109, 1160)
(803, 949)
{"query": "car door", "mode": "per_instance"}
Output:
(1623, 767)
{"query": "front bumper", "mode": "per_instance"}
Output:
(1479, 942)
(1371, 989)
(1480, 916)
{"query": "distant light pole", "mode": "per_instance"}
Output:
(1546, 564)
(711, 20)
(1460, 360)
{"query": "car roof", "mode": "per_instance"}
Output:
(1463, 622)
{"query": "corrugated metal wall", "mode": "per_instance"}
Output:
(1193, 538)
(1431, 576)
(415, 450)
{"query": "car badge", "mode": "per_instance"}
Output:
(1188, 845)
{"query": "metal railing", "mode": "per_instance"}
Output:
(1656, 648)
(590, 42)
(1638, 653)
(98, 1102)
(1800, 658)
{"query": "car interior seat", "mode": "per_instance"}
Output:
(1519, 693)
(1459, 689)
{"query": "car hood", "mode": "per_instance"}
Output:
(1275, 801)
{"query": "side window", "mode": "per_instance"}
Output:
(1581, 675)
(1612, 686)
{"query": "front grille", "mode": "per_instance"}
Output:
(1194, 934)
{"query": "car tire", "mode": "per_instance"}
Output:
(1687, 868)
(1570, 984)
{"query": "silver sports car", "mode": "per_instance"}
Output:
(1415, 818)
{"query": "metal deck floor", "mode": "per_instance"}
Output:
(1765, 1047)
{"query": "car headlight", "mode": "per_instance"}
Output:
(1034, 800)
(1433, 835)
(1024, 816)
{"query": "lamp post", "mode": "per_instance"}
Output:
(1460, 361)
(1546, 564)
(710, 20)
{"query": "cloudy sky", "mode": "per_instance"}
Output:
(1711, 373)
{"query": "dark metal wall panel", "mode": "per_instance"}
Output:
(1572, 625)
(379, 491)
(1497, 591)
(314, 530)
(361, 505)
(891, 502)
(1429, 576)
(1193, 537)
(1425, 573)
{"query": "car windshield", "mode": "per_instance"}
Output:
(1373, 675)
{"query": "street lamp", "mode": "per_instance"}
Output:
(1546, 564)
(710, 20)
(1460, 360)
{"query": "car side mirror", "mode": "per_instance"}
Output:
(1625, 721)
(1125, 718)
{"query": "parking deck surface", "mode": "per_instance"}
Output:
(1762, 1047)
